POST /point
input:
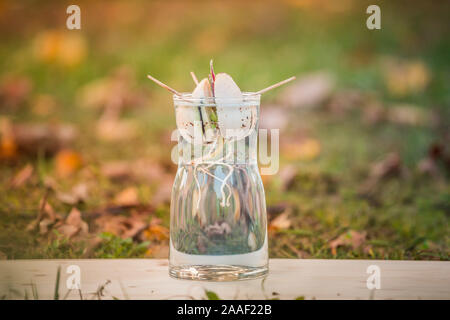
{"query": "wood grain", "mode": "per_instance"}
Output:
(288, 279)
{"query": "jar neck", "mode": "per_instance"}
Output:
(230, 151)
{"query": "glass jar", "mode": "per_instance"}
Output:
(218, 221)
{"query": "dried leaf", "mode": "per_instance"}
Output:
(409, 115)
(113, 130)
(405, 77)
(22, 176)
(127, 197)
(160, 251)
(389, 167)
(156, 232)
(282, 221)
(14, 91)
(163, 194)
(125, 227)
(62, 47)
(306, 149)
(43, 105)
(74, 225)
(26, 138)
(308, 91)
(79, 193)
(351, 238)
(273, 117)
(67, 162)
(287, 175)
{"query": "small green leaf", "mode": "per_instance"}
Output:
(211, 295)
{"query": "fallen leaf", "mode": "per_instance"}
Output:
(73, 225)
(67, 162)
(343, 101)
(156, 232)
(405, 77)
(159, 251)
(46, 214)
(351, 238)
(113, 93)
(127, 197)
(113, 130)
(43, 105)
(79, 193)
(61, 47)
(124, 227)
(411, 115)
(308, 91)
(273, 117)
(14, 91)
(22, 176)
(389, 167)
(282, 221)
(287, 175)
(306, 149)
(28, 138)
(163, 194)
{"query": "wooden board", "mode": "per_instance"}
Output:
(288, 279)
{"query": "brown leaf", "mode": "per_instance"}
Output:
(60, 47)
(156, 232)
(163, 194)
(67, 162)
(112, 130)
(46, 214)
(31, 139)
(308, 91)
(351, 238)
(405, 77)
(125, 227)
(74, 225)
(282, 221)
(143, 169)
(389, 167)
(79, 193)
(287, 175)
(127, 197)
(273, 117)
(160, 251)
(43, 105)
(306, 149)
(22, 176)
(14, 91)
(411, 115)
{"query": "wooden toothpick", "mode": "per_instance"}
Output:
(194, 78)
(165, 86)
(276, 85)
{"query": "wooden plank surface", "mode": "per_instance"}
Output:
(288, 279)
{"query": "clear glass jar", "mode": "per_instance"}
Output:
(218, 222)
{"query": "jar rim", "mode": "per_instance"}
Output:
(247, 98)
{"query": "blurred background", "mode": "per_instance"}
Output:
(85, 167)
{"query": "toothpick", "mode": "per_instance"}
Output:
(165, 86)
(276, 85)
(194, 78)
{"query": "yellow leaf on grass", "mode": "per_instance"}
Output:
(62, 47)
(282, 221)
(156, 232)
(127, 197)
(307, 149)
(67, 162)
